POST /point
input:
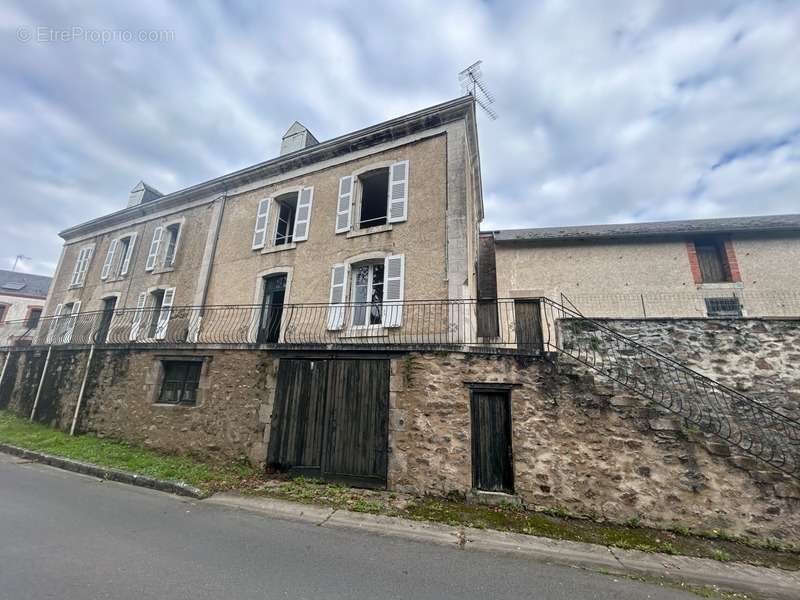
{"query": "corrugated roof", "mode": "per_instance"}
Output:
(24, 284)
(652, 229)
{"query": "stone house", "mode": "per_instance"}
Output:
(22, 298)
(377, 217)
(742, 266)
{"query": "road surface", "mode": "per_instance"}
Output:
(71, 537)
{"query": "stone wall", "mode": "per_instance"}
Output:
(759, 358)
(579, 446)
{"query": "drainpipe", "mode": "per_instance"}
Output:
(208, 266)
(5, 366)
(80, 394)
(41, 381)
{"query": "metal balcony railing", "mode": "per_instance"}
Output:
(430, 324)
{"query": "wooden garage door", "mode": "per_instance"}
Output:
(330, 419)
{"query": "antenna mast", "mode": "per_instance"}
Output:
(472, 83)
(19, 258)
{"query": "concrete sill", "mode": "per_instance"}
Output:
(723, 285)
(281, 248)
(492, 498)
(369, 231)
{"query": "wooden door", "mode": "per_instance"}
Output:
(330, 419)
(356, 443)
(528, 329)
(296, 432)
(492, 458)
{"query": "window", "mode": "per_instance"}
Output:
(81, 266)
(3, 310)
(374, 198)
(381, 197)
(160, 312)
(723, 307)
(34, 315)
(712, 261)
(62, 326)
(286, 207)
(180, 382)
(290, 219)
(126, 244)
(173, 234)
(155, 246)
(368, 295)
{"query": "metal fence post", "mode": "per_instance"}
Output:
(41, 382)
(80, 394)
(5, 366)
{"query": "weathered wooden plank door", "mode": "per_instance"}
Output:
(296, 432)
(492, 459)
(330, 419)
(528, 319)
(356, 443)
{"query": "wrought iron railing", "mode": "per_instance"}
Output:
(706, 405)
(430, 324)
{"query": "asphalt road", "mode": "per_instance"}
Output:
(72, 537)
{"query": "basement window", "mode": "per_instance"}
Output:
(180, 383)
(723, 307)
(284, 227)
(374, 198)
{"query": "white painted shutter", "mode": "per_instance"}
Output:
(398, 192)
(126, 260)
(260, 234)
(152, 255)
(302, 219)
(112, 248)
(137, 316)
(165, 314)
(336, 308)
(53, 325)
(393, 289)
(76, 272)
(343, 206)
(71, 321)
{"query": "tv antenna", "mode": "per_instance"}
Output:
(472, 83)
(19, 258)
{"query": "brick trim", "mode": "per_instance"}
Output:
(694, 265)
(733, 264)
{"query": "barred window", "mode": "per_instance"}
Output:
(723, 307)
(180, 383)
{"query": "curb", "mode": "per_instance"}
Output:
(171, 487)
(738, 577)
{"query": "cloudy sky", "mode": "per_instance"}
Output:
(609, 111)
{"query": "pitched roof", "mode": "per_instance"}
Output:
(24, 284)
(653, 229)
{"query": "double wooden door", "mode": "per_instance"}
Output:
(330, 419)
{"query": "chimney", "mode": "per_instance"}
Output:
(296, 138)
(142, 193)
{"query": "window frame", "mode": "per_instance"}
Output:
(718, 247)
(169, 260)
(353, 271)
(194, 367)
(265, 238)
(29, 316)
(82, 263)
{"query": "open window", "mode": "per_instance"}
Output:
(374, 196)
(287, 216)
(286, 209)
(127, 244)
(81, 266)
(380, 197)
(173, 236)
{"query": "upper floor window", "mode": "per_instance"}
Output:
(378, 196)
(122, 259)
(288, 216)
(3, 310)
(34, 315)
(152, 317)
(81, 266)
(166, 237)
(712, 261)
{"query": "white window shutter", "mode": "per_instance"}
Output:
(155, 244)
(137, 316)
(51, 330)
(398, 192)
(262, 217)
(126, 260)
(112, 248)
(302, 219)
(71, 322)
(344, 205)
(336, 307)
(165, 314)
(393, 290)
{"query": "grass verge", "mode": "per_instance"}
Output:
(119, 455)
(556, 524)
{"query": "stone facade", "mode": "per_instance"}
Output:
(651, 277)
(579, 447)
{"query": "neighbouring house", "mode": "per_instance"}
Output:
(742, 266)
(22, 298)
(328, 312)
